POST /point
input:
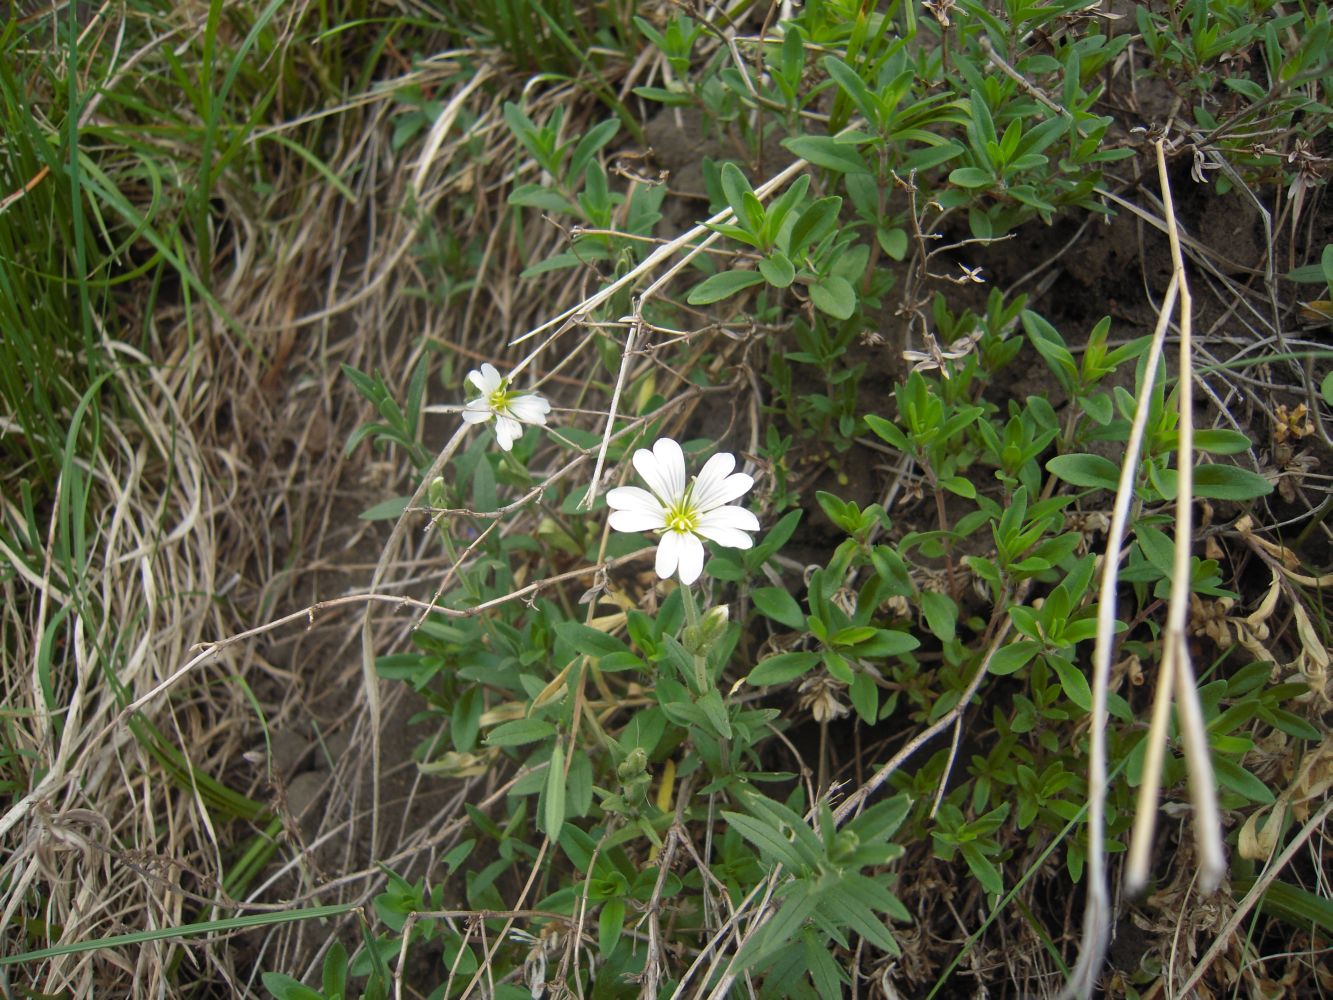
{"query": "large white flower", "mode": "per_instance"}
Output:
(510, 409)
(684, 513)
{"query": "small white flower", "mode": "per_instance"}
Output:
(684, 513)
(510, 409)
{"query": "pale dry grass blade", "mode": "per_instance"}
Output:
(1174, 673)
(1207, 820)
(1097, 909)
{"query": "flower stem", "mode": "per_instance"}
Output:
(692, 628)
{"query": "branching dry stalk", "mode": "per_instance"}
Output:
(1174, 671)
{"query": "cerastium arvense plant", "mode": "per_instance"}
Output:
(659, 735)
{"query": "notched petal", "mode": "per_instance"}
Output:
(691, 558)
(507, 431)
(729, 517)
(671, 463)
(732, 538)
(637, 520)
(668, 554)
(530, 409)
(632, 498)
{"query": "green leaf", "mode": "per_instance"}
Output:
(735, 187)
(1216, 481)
(1289, 723)
(387, 510)
(333, 979)
(1219, 441)
(837, 666)
(1099, 407)
(578, 785)
(886, 642)
(1073, 682)
(1229, 482)
(987, 874)
(535, 196)
(715, 711)
(1051, 346)
(833, 295)
(873, 895)
(781, 668)
(610, 924)
(1013, 657)
(598, 136)
(554, 813)
(889, 431)
(852, 635)
(934, 155)
(892, 241)
(778, 604)
(1085, 471)
(971, 177)
(1298, 907)
(815, 223)
(466, 719)
(865, 698)
(519, 732)
(1326, 388)
(663, 96)
(776, 537)
(824, 971)
(854, 87)
(824, 151)
(959, 486)
(284, 987)
(941, 614)
(722, 286)
(845, 908)
(1308, 274)
(772, 846)
(1232, 775)
(777, 269)
(586, 639)
(780, 932)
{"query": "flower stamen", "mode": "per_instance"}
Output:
(681, 517)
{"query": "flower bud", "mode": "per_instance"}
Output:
(697, 639)
(435, 492)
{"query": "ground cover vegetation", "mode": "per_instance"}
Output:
(665, 498)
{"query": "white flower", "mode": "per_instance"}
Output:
(684, 513)
(510, 409)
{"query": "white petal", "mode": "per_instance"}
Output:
(476, 411)
(507, 431)
(663, 469)
(727, 517)
(732, 538)
(668, 553)
(487, 380)
(632, 498)
(715, 486)
(691, 558)
(529, 409)
(637, 520)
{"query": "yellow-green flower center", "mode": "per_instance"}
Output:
(498, 400)
(681, 517)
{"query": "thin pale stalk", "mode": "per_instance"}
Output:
(1194, 735)
(1150, 785)
(1097, 908)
